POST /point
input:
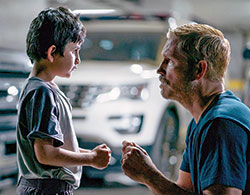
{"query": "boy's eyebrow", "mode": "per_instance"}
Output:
(77, 47)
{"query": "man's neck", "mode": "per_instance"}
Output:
(203, 98)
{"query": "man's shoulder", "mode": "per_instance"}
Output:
(228, 106)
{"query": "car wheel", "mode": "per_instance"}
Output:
(165, 150)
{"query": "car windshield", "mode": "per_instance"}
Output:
(118, 46)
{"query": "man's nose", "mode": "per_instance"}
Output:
(160, 69)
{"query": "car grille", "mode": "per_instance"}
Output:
(82, 96)
(8, 120)
(10, 148)
(7, 142)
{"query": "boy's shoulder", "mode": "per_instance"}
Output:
(36, 85)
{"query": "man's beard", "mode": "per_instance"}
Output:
(181, 91)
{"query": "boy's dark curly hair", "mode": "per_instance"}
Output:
(53, 27)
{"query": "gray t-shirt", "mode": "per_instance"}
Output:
(45, 112)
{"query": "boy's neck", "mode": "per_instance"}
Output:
(41, 71)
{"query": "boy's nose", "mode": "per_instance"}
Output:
(77, 61)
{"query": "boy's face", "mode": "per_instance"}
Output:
(64, 65)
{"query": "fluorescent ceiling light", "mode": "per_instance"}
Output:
(94, 11)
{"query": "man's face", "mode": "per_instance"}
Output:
(175, 84)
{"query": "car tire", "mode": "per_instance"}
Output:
(165, 150)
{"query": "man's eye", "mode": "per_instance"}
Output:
(170, 62)
(166, 61)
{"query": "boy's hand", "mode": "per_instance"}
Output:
(101, 156)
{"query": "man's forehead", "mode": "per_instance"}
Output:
(169, 46)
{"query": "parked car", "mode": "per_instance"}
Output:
(14, 69)
(246, 90)
(115, 94)
(246, 87)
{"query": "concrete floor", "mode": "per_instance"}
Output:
(138, 190)
(98, 187)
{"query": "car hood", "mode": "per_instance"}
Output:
(110, 72)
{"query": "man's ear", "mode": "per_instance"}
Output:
(201, 69)
(51, 53)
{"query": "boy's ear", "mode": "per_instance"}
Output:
(201, 69)
(51, 53)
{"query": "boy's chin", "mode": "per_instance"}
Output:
(68, 75)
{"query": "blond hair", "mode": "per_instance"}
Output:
(203, 42)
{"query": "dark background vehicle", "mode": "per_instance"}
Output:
(14, 69)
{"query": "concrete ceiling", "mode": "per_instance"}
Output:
(224, 14)
(228, 15)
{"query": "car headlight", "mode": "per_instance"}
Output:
(133, 92)
(83, 96)
(128, 124)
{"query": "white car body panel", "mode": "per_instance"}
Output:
(96, 122)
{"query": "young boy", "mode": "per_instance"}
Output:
(49, 159)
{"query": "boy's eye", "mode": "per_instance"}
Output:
(76, 51)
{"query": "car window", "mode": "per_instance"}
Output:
(121, 46)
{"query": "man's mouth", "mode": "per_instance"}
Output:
(163, 80)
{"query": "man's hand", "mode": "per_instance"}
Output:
(136, 163)
(101, 156)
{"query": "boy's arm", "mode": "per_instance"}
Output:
(82, 150)
(47, 154)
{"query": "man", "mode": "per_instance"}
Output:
(49, 159)
(216, 159)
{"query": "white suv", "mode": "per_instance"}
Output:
(115, 94)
